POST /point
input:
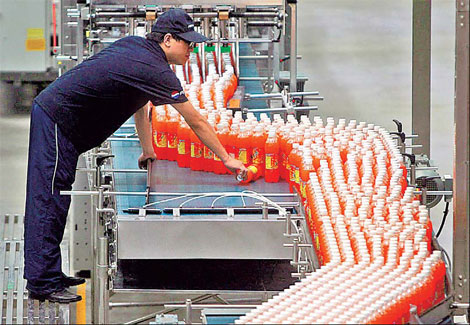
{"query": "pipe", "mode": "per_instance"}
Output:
(82, 193)
(281, 109)
(102, 266)
(293, 47)
(112, 23)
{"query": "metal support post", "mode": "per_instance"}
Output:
(188, 311)
(421, 74)
(461, 243)
(293, 44)
(103, 310)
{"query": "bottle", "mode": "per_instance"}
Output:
(232, 139)
(271, 150)
(244, 145)
(184, 144)
(172, 127)
(307, 168)
(253, 173)
(259, 140)
(222, 134)
(160, 133)
(196, 160)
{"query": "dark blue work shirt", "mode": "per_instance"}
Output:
(92, 100)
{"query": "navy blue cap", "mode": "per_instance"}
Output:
(177, 21)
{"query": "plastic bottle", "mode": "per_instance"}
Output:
(271, 150)
(244, 145)
(258, 142)
(306, 169)
(184, 144)
(160, 133)
(172, 137)
(253, 173)
(196, 159)
(222, 134)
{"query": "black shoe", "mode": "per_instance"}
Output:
(71, 281)
(62, 297)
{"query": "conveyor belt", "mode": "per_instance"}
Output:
(167, 177)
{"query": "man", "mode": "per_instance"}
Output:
(79, 111)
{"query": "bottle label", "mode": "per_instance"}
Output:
(271, 161)
(181, 147)
(242, 156)
(216, 158)
(303, 187)
(196, 150)
(172, 141)
(208, 154)
(291, 173)
(257, 156)
(297, 175)
(254, 169)
(161, 139)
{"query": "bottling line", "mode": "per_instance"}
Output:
(194, 220)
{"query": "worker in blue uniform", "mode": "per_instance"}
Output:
(78, 111)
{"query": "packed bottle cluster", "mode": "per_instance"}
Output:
(370, 233)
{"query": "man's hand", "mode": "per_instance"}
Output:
(144, 157)
(236, 167)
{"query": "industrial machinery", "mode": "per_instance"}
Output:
(27, 62)
(191, 221)
(138, 216)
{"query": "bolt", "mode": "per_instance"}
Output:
(460, 277)
(460, 284)
(460, 297)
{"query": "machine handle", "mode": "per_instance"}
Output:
(411, 156)
(399, 125)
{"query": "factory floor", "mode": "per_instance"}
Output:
(356, 53)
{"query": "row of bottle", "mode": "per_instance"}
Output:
(356, 293)
(371, 236)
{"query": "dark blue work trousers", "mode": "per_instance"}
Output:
(52, 162)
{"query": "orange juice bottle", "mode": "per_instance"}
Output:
(184, 144)
(160, 134)
(290, 164)
(244, 145)
(222, 134)
(271, 150)
(259, 140)
(307, 168)
(172, 127)
(232, 139)
(196, 158)
(253, 173)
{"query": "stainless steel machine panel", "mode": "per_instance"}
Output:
(238, 3)
(155, 238)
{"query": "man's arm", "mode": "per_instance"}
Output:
(206, 133)
(144, 132)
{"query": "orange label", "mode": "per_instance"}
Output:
(271, 161)
(172, 141)
(181, 147)
(257, 156)
(242, 156)
(254, 169)
(196, 151)
(161, 139)
(208, 154)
